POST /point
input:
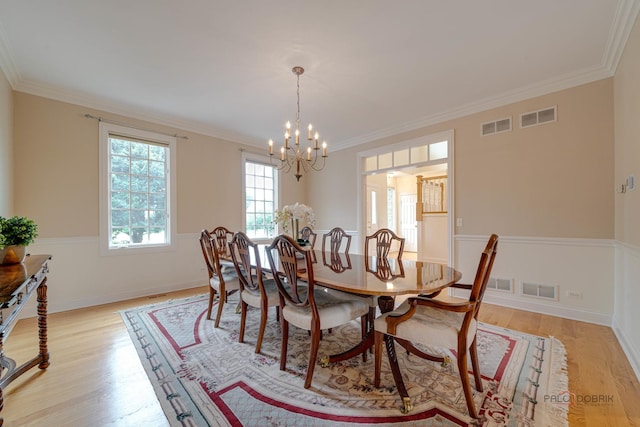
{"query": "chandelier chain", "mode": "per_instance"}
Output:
(298, 95)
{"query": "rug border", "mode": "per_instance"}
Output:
(555, 381)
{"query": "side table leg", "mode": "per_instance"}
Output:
(42, 324)
(1, 368)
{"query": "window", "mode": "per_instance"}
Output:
(137, 175)
(260, 188)
(420, 152)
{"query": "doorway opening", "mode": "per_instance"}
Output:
(407, 188)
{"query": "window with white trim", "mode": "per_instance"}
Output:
(261, 198)
(137, 175)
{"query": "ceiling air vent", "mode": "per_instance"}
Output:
(498, 126)
(539, 117)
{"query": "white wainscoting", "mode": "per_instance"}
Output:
(80, 277)
(575, 266)
(627, 302)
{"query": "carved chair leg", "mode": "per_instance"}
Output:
(243, 320)
(364, 320)
(466, 384)
(473, 352)
(263, 324)
(221, 301)
(377, 345)
(313, 356)
(397, 375)
(212, 297)
(283, 347)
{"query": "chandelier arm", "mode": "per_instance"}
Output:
(314, 163)
(284, 166)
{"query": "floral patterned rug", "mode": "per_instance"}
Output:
(204, 377)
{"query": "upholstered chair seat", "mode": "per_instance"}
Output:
(429, 326)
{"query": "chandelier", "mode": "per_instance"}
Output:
(293, 153)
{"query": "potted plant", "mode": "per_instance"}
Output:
(16, 233)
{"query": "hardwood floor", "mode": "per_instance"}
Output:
(96, 379)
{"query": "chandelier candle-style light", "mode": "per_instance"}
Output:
(294, 153)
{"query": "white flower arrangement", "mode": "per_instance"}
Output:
(295, 214)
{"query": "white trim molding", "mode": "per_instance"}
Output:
(581, 271)
(79, 277)
(627, 298)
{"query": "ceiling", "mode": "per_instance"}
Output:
(374, 68)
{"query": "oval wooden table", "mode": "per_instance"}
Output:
(384, 278)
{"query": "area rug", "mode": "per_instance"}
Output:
(204, 377)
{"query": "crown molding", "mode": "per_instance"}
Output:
(621, 27)
(7, 64)
(556, 84)
(133, 112)
(624, 19)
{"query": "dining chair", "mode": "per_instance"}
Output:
(308, 235)
(224, 282)
(221, 238)
(384, 240)
(437, 324)
(338, 239)
(255, 289)
(301, 304)
(337, 236)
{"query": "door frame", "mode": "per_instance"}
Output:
(449, 136)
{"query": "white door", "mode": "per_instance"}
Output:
(408, 226)
(372, 210)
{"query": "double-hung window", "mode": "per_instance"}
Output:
(261, 198)
(137, 203)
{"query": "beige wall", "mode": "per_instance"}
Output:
(627, 205)
(627, 129)
(59, 148)
(6, 147)
(56, 166)
(553, 180)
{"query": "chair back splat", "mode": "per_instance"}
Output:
(384, 240)
(293, 289)
(250, 274)
(221, 237)
(484, 270)
(308, 235)
(221, 280)
(336, 237)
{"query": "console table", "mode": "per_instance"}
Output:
(17, 284)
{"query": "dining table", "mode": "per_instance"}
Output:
(384, 278)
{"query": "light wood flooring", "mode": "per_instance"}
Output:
(96, 379)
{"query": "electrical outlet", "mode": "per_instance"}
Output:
(574, 294)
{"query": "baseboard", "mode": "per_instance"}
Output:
(564, 312)
(57, 306)
(629, 351)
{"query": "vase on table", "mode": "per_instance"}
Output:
(12, 254)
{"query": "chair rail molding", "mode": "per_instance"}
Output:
(581, 271)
